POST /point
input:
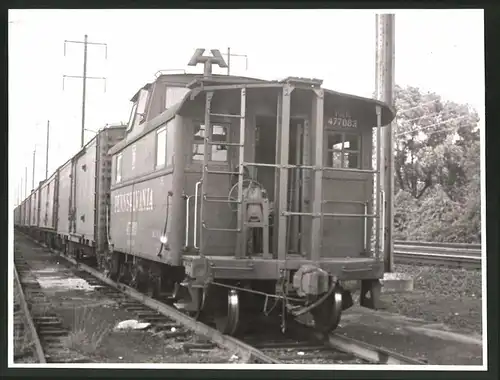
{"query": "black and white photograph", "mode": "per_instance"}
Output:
(247, 189)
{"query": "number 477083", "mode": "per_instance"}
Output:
(341, 122)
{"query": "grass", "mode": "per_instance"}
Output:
(87, 332)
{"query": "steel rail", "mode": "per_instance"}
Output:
(413, 252)
(440, 250)
(29, 321)
(467, 262)
(364, 351)
(368, 351)
(437, 244)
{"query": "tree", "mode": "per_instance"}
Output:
(437, 169)
(431, 139)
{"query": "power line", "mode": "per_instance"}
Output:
(431, 125)
(421, 117)
(420, 105)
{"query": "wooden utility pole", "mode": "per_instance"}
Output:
(47, 152)
(384, 85)
(33, 179)
(25, 181)
(85, 77)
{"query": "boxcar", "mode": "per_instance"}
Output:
(35, 209)
(17, 215)
(229, 191)
(48, 209)
(83, 195)
(63, 199)
(25, 214)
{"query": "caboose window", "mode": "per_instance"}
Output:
(218, 152)
(132, 117)
(219, 134)
(343, 150)
(161, 147)
(198, 147)
(138, 113)
(118, 168)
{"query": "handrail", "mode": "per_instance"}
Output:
(188, 198)
(195, 240)
(382, 220)
(327, 214)
(365, 229)
(310, 167)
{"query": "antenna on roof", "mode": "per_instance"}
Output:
(208, 61)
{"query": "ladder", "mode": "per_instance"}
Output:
(206, 172)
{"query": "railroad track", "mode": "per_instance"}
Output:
(26, 341)
(452, 255)
(300, 346)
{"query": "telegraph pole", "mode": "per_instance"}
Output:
(33, 179)
(47, 152)
(25, 181)
(85, 77)
(384, 85)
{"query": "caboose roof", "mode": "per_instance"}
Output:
(222, 82)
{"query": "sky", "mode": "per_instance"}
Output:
(437, 50)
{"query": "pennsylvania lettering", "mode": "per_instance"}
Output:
(139, 200)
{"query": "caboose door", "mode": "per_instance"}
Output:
(346, 192)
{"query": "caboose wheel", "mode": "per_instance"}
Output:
(227, 318)
(222, 308)
(327, 315)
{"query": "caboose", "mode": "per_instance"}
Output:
(234, 196)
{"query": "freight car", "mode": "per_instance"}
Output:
(68, 211)
(234, 197)
(230, 194)
(82, 197)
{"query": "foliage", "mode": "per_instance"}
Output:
(432, 137)
(437, 170)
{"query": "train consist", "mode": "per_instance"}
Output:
(228, 197)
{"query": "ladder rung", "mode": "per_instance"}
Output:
(221, 172)
(219, 200)
(226, 115)
(222, 143)
(220, 229)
